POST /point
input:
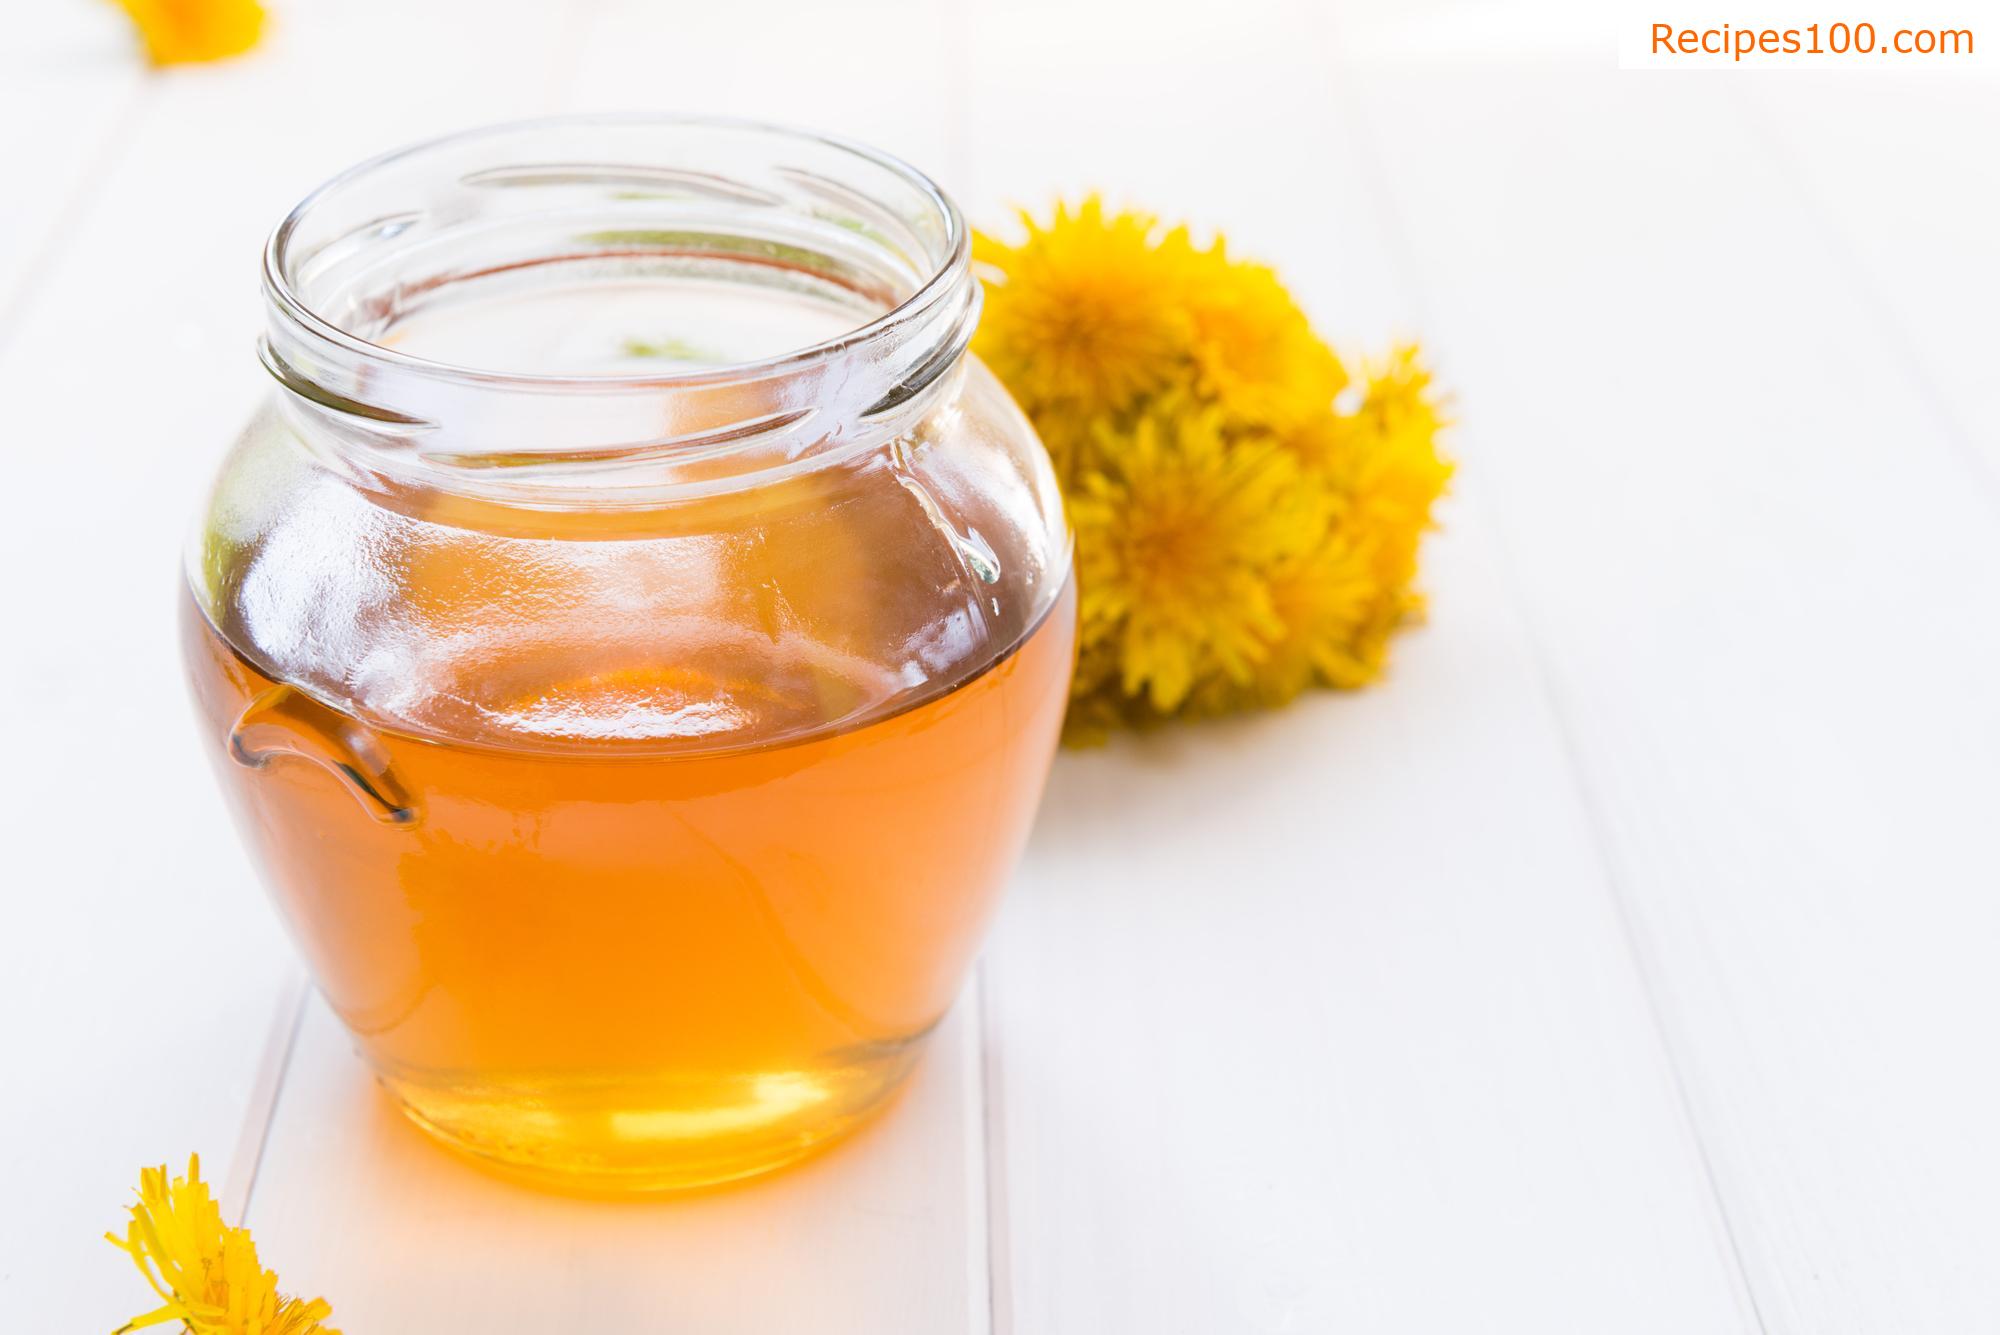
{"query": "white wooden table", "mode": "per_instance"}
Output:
(1628, 962)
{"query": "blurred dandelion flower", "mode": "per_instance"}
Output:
(178, 32)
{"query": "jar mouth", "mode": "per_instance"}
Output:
(834, 278)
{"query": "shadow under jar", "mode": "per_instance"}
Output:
(635, 635)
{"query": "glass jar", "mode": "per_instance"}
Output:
(634, 637)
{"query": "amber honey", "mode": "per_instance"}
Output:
(637, 969)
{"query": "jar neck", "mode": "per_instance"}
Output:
(536, 228)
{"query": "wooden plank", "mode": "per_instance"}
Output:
(1323, 1020)
(1759, 570)
(408, 1240)
(144, 968)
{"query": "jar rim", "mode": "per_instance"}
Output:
(948, 268)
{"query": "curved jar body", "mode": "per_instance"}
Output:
(634, 638)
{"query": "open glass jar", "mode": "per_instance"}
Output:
(634, 637)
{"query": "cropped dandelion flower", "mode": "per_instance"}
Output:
(1254, 350)
(206, 1273)
(1175, 534)
(1089, 313)
(1389, 465)
(1098, 704)
(1380, 458)
(1324, 597)
(1400, 400)
(181, 31)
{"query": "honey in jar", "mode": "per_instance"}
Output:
(634, 636)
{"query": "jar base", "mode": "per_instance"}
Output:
(664, 1137)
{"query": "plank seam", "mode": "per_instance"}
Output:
(1649, 975)
(274, 1071)
(988, 1157)
(1867, 290)
(42, 256)
(992, 1127)
(959, 53)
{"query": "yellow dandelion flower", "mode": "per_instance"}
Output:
(1086, 315)
(1325, 597)
(1174, 533)
(1342, 602)
(1243, 531)
(207, 1274)
(181, 31)
(1400, 399)
(1254, 350)
(1392, 470)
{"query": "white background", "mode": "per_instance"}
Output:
(1625, 963)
